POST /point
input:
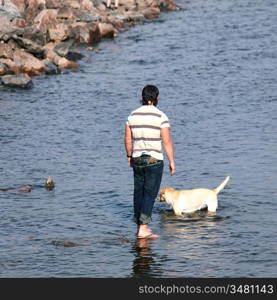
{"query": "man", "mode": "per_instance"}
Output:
(146, 130)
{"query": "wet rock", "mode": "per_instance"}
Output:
(107, 30)
(74, 56)
(66, 244)
(63, 48)
(118, 21)
(30, 25)
(135, 17)
(23, 189)
(64, 63)
(51, 68)
(151, 12)
(18, 81)
(168, 5)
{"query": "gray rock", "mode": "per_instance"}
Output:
(74, 56)
(30, 46)
(51, 68)
(11, 11)
(35, 35)
(87, 17)
(120, 18)
(18, 81)
(137, 18)
(63, 48)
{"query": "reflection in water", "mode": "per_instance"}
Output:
(192, 230)
(144, 264)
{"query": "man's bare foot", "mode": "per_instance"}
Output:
(149, 236)
(144, 232)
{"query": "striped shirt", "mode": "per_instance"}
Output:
(146, 123)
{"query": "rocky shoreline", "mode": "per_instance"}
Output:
(40, 36)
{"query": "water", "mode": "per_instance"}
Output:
(215, 65)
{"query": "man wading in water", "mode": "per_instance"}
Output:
(146, 129)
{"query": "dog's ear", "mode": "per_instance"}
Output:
(162, 192)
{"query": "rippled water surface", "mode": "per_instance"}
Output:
(216, 67)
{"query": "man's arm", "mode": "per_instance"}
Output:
(168, 147)
(128, 143)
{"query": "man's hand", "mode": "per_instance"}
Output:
(168, 146)
(172, 168)
(128, 144)
(130, 161)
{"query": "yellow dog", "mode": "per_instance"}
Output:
(188, 201)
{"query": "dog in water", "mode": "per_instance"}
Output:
(49, 185)
(189, 201)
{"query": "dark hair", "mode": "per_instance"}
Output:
(150, 93)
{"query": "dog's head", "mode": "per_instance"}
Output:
(163, 192)
(49, 184)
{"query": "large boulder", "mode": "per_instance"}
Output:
(34, 34)
(63, 48)
(107, 30)
(60, 62)
(27, 63)
(84, 33)
(10, 17)
(33, 9)
(135, 17)
(150, 12)
(88, 17)
(51, 68)
(60, 33)
(18, 81)
(46, 19)
(30, 46)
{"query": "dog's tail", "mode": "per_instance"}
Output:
(222, 185)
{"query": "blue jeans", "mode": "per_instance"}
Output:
(147, 180)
